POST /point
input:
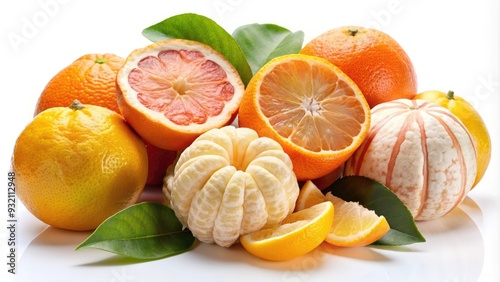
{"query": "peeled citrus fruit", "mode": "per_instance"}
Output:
(174, 90)
(297, 235)
(354, 225)
(315, 111)
(231, 182)
(371, 58)
(471, 118)
(78, 165)
(422, 152)
(91, 79)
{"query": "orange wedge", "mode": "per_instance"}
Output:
(309, 196)
(298, 234)
(353, 224)
(314, 110)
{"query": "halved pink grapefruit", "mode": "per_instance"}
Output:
(174, 90)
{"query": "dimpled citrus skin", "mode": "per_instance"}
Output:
(375, 61)
(91, 79)
(231, 182)
(75, 168)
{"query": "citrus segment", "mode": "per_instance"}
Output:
(91, 79)
(317, 114)
(298, 234)
(354, 225)
(174, 90)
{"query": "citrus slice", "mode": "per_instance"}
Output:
(174, 90)
(309, 196)
(354, 225)
(298, 234)
(314, 110)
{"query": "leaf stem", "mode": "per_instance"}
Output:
(353, 31)
(76, 105)
(100, 61)
(450, 95)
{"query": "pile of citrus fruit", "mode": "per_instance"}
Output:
(238, 164)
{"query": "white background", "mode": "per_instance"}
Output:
(453, 45)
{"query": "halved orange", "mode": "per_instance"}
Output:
(314, 110)
(174, 90)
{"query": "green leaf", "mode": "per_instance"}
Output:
(263, 42)
(146, 230)
(202, 29)
(375, 196)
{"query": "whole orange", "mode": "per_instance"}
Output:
(91, 79)
(371, 58)
(77, 166)
(472, 120)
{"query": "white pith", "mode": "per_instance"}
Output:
(430, 173)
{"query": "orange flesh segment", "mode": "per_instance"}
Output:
(311, 106)
(183, 85)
